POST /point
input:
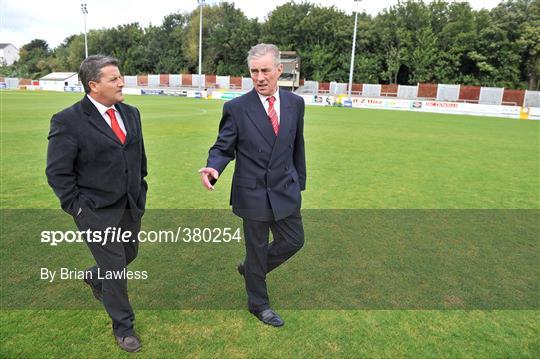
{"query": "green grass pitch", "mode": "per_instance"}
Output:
(356, 159)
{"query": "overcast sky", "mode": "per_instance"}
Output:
(54, 20)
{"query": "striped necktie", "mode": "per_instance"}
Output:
(272, 115)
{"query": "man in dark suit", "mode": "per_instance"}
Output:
(96, 165)
(263, 130)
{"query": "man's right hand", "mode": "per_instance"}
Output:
(208, 174)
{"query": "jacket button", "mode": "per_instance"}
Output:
(290, 146)
(125, 171)
(260, 150)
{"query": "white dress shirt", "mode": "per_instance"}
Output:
(102, 109)
(266, 104)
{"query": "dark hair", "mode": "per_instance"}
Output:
(90, 69)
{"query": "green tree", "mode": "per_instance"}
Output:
(284, 25)
(423, 57)
(520, 19)
(368, 60)
(326, 47)
(390, 43)
(456, 40)
(34, 59)
(190, 47)
(529, 43)
(230, 39)
(227, 36)
(164, 44)
(414, 41)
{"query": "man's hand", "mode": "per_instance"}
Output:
(208, 174)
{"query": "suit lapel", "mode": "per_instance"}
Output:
(285, 121)
(285, 117)
(257, 114)
(127, 122)
(96, 120)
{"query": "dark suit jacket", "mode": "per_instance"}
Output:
(270, 171)
(92, 173)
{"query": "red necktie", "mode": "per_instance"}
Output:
(116, 127)
(272, 115)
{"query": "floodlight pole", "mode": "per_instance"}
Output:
(201, 3)
(84, 10)
(353, 48)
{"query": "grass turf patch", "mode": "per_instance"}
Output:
(356, 158)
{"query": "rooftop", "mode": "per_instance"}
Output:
(58, 76)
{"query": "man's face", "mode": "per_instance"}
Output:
(108, 90)
(265, 74)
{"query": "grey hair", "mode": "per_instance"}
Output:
(90, 69)
(263, 49)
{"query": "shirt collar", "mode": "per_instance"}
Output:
(102, 109)
(263, 98)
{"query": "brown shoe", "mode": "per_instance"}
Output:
(130, 344)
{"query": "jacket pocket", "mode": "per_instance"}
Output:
(245, 182)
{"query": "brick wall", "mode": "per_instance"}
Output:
(427, 90)
(469, 93)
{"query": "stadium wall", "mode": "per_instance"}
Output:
(428, 91)
(469, 93)
(386, 98)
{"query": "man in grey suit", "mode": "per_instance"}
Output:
(96, 165)
(264, 131)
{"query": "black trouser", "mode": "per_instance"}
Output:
(262, 258)
(115, 256)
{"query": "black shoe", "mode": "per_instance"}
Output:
(95, 291)
(130, 344)
(240, 268)
(268, 316)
